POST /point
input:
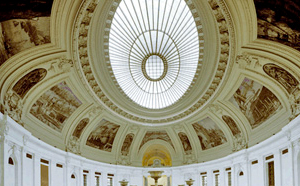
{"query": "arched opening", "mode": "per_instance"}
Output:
(73, 180)
(157, 155)
(10, 161)
(241, 179)
(12, 172)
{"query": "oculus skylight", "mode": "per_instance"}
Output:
(154, 50)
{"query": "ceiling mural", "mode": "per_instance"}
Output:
(80, 127)
(152, 135)
(278, 20)
(185, 143)
(55, 106)
(102, 137)
(17, 35)
(239, 141)
(28, 58)
(209, 134)
(232, 125)
(28, 81)
(126, 144)
(25, 9)
(255, 101)
(288, 81)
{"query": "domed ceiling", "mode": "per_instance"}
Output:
(135, 82)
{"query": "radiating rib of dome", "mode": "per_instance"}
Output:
(160, 29)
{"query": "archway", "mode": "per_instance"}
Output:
(157, 154)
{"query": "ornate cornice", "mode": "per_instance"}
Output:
(81, 55)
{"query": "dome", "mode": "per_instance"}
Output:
(151, 55)
(136, 82)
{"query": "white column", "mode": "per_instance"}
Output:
(52, 167)
(295, 160)
(5, 159)
(22, 168)
(2, 161)
(233, 175)
(262, 170)
(277, 167)
(210, 178)
(104, 178)
(66, 175)
(92, 177)
(36, 170)
(222, 177)
(291, 163)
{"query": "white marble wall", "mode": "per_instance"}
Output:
(16, 142)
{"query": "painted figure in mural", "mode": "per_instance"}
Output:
(209, 134)
(255, 101)
(239, 141)
(278, 21)
(152, 135)
(231, 124)
(185, 142)
(288, 81)
(127, 143)
(28, 81)
(17, 35)
(55, 106)
(103, 136)
(81, 125)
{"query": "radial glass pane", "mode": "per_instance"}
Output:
(154, 50)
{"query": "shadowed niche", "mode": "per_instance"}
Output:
(24, 9)
(278, 20)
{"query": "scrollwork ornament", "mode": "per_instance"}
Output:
(288, 135)
(216, 109)
(294, 100)
(25, 140)
(14, 106)
(189, 158)
(4, 127)
(243, 61)
(73, 145)
(246, 61)
(95, 110)
(239, 143)
(65, 64)
(124, 160)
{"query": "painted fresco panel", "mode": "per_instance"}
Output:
(152, 135)
(127, 143)
(287, 80)
(17, 35)
(102, 137)
(55, 106)
(80, 127)
(28, 81)
(232, 125)
(278, 20)
(209, 134)
(256, 102)
(185, 142)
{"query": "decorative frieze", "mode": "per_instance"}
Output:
(81, 33)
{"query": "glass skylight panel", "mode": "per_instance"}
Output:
(154, 50)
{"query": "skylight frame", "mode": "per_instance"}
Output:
(154, 94)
